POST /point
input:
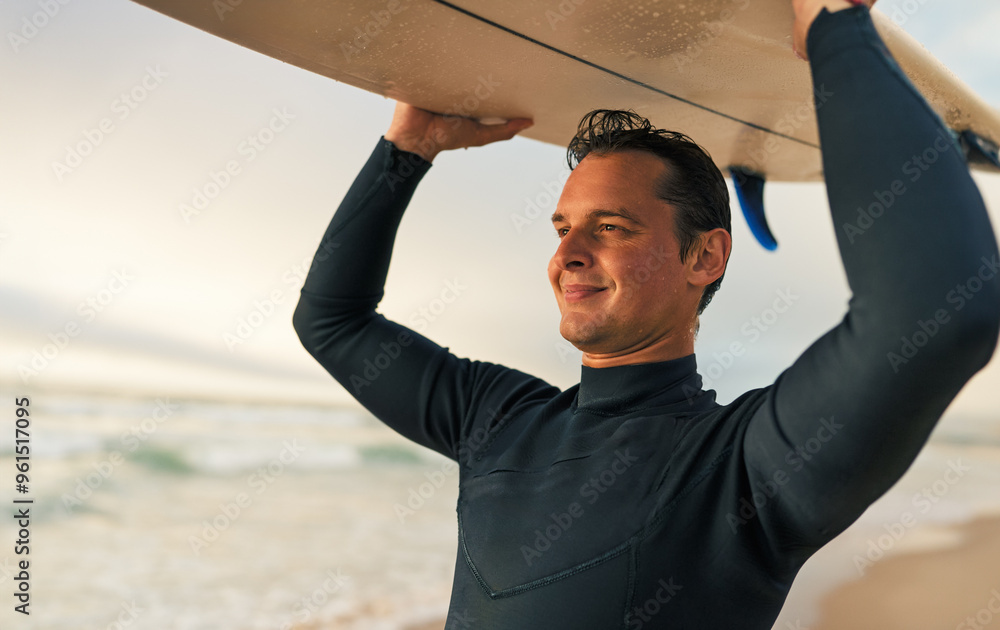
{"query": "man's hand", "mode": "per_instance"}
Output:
(427, 134)
(807, 10)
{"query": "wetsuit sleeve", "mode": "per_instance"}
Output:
(846, 420)
(412, 384)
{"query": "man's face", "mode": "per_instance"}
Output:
(617, 274)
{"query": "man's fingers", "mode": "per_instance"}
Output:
(412, 128)
(512, 127)
(486, 134)
(520, 124)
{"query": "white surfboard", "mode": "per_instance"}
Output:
(720, 71)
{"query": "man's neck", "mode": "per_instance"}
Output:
(666, 349)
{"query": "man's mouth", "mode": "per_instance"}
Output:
(578, 292)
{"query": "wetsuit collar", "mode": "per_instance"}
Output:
(626, 387)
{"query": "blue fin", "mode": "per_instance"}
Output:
(750, 192)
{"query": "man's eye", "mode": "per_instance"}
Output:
(561, 231)
(614, 228)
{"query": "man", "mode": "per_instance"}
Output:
(634, 500)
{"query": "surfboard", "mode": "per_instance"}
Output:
(720, 71)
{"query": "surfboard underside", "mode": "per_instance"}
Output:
(721, 71)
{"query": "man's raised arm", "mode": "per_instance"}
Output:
(845, 421)
(406, 380)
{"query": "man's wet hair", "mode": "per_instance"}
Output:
(693, 183)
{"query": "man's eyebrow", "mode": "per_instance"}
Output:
(601, 213)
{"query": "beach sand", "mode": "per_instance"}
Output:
(956, 587)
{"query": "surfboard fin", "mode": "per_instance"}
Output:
(978, 150)
(750, 192)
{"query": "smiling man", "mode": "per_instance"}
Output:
(644, 239)
(634, 500)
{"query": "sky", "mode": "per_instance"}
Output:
(106, 286)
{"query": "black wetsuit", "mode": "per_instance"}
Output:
(634, 500)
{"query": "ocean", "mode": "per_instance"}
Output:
(190, 515)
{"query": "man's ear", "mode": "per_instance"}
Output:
(708, 258)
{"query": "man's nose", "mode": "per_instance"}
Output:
(574, 251)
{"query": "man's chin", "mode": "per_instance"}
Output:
(584, 336)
